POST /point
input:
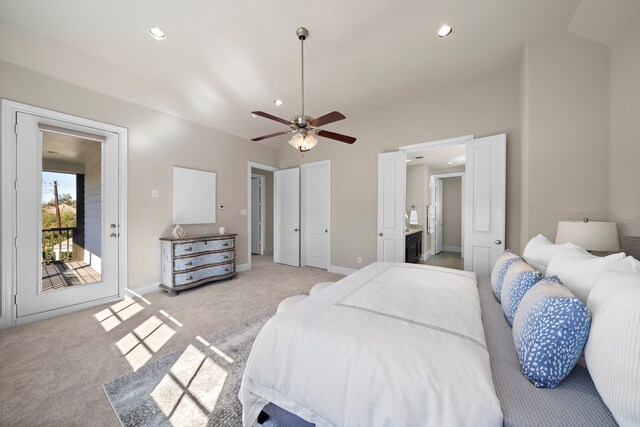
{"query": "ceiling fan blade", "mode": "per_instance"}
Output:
(337, 136)
(331, 117)
(260, 138)
(272, 117)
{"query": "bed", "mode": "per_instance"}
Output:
(403, 344)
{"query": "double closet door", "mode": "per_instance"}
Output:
(303, 215)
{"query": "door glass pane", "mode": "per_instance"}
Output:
(71, 211)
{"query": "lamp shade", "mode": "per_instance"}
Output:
(413, 217)
(590, 235)
(303, 142)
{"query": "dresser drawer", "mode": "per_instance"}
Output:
(204, 273)
(182, 264)
(191, 248)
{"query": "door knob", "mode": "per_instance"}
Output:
(380, 234)
(113, 235)
(113, 226)
(326, 231)
(295, 229)
(498, 242)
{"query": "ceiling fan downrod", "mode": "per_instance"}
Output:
(302, 34)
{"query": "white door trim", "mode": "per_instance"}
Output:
(8, 112)
(303, 213)
(449, 175)
(268, 168)
(456, 140)
(263, 220)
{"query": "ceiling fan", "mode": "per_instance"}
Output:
(304, 127)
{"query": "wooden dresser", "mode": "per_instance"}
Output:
(196, 260)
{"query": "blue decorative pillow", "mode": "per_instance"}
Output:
(499, 269)
(550, 331)
(518, 279)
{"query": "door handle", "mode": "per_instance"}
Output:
(326, 231)
(380, 234)
(295, 229)
(498, 242)
(113, 235)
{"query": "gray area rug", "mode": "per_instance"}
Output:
(194, 387)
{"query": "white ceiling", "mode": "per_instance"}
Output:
(68, 149)
(223, 59)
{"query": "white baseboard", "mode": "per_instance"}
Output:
(242, 267)
(341, 270)
(268, 251)
(144, 290)
(452, 249)
(425, 256)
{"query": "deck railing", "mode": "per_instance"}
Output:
(57, 240)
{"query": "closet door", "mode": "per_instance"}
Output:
(316, 200)
(287, 217)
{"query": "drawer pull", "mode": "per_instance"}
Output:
(226, 269)
(189, 263)
(225, 244)
(190, 278)
(188, 249)
(225, 257)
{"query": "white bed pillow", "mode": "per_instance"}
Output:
(578, 269)
(613, 349)
(539, 251)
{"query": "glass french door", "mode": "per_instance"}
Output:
(67, 216)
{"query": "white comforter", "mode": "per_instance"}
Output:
(390, 345)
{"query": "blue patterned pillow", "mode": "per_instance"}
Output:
(499, 269)
(550, 331)
(518, 279)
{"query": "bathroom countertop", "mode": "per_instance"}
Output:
(412, 231)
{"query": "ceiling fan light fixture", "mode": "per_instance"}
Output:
(157, 33)
(278, 102)
(445, 31)
(303, 142)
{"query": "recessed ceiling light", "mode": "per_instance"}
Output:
(408, 160)
(157, 33)
(450, 163)
(445, 30)
(278, 102)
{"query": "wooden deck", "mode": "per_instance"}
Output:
(63, 274)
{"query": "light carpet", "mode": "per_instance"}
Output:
(194, 387)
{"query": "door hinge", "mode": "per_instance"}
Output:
(15, 299)
(15, 242)
(15, 185)
(15, 128)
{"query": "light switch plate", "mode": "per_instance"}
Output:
(243, 212)
(154, 194)
(222, 206)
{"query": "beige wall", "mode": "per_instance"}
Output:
(268, 195)
(485, 107)
(452, 212)
(624, 196)
(566, 120)
(157, 142)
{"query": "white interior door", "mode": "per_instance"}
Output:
(392, 177)
(256, 214)
(485, 202)
(287, 217)
(316, 200)
(437, 188)
(53, 270)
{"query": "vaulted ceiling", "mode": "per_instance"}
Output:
(222, 59)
